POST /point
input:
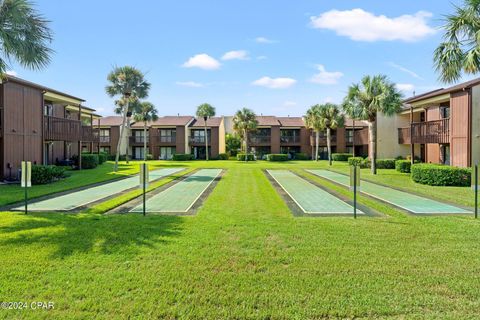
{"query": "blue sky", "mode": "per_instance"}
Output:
(279, 57)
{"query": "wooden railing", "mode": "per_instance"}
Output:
(164, 139)
(199, 139)
(290, 139)
(90, 134)
(253, 139)
(60, 129)
(137, 139)
(436, 131)
(322, 140)
(104, 139)
(361, 137)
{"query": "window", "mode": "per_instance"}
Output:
(445, 112)
(445, 154)
(105, 135)
(166, 153)
(349, 150)
(48, 109)
(167, 135)
(349, 135)
(105, 150)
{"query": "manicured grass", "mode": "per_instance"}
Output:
(242, 256)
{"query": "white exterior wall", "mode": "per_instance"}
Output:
(387, 136)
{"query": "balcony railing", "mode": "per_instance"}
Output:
(166, 139)
(436, 131)
(322, 140)
(61, 129)
(259, 139)
(198, 139)
(90, 134)
(361, 137)
(104, 139)
(290, 139)
(137, 139)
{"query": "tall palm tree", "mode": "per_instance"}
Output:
(314, 123)
(130, 85)
(205, 111)
(24, 35)
(351, 109)
(245, 120)
(330, 118)
(460, 49)
(372, 95)
(145, 111)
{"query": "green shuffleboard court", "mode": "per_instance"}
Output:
(81, 198)
(310, 198)
(180, 197)
(404, 200)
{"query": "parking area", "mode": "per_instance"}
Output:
(404, 200)
(82, 198)
(308, 197)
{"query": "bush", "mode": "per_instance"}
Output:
(149, 156)
(222, 156)
(301, 156)
(403, 166)
(277, 157)
(46, 174)
(241, 157)
(89, 160)
(341, 156)
(102, 157)
(182, 157)
(357, 161)
(385, 163)
(440, 175)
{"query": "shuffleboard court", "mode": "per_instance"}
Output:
(310, 198)
(401, 199)
(81, 198)
(180, 197)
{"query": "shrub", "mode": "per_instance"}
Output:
(403, 166)
(149, 156)
(241, 157)
(222, 156)
(182, 157)
(277, 157)
(385, 163)
(89, 160)
(46, 174)
(440, 175)
(357, 161)
(301, 156)
(399, 158)
(102, 157)
(341, 156)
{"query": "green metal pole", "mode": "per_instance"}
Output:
(26, 192)
(355, 192)
(476, 191)
(144, 186)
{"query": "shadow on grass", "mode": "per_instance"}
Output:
(85, 233)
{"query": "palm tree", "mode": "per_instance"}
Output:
(460, 50)
(205, 111)
(372, 95)
(313, 122)
(351, 109)
(128, 83)
(145, 111)
(24, 35)
(245, 120)
(330, 118)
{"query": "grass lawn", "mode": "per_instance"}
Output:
(243, 256)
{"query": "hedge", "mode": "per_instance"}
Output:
(385, 163)
(241, 157)
(102, 157)
(89, 160)
(440, 175)
(46, 174)
(182, 157)
(341, 156)
(277, 157)
(301, 156)
(357, 161)
(222, 156)
(403, 166)
(149, 156)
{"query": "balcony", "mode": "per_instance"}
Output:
(198, 140)
(90, 134)
(256, 140)
(436, 131)
(361, 138)
(290, 139)
(61, 129)
(104, 139)
(137, 140)
(164, 140)
(322, 140)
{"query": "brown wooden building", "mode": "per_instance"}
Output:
(41, 125)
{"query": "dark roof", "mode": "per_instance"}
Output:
(267, 121)
(212, 122)
(291, 121)
(166, 121)
(38, 86)
(441, 91)
(111, 121)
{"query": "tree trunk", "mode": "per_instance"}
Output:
(145, 141)
(317, 137)
(206, 141)
(246, 145)
(372, 131)
(329, 147)
(119, 143)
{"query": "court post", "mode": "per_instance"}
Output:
(475, 187)
(26, 181)
(354, 184)
(143, 184)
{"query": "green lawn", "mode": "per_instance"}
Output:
(243, 256)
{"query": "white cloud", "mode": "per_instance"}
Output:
(401, 68)
(326, 77)
(236, 55)
(202, 61)
(406, 88)
(289, 103)
(191, 84)
(264, 40)
(360, 25)
(11, 73)
(274, 83)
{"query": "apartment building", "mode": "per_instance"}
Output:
(41, 125)
(440, 126)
